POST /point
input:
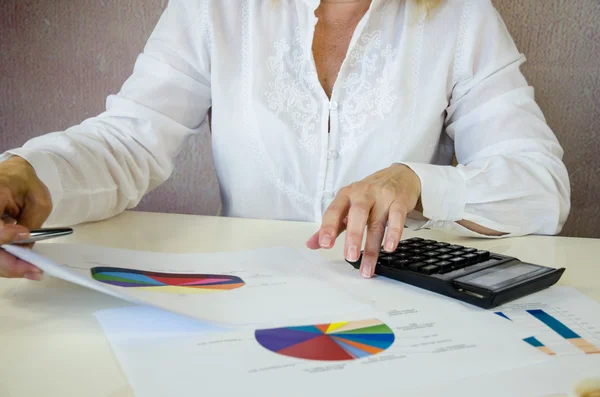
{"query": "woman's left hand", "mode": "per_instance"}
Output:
(385, 197)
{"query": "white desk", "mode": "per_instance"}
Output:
(51, 344)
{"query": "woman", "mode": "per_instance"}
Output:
(344, 112)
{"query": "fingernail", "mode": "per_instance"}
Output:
(325, 240)
(22, 236)
(366, 270)
(353, 253)
(33, 276)
(9, 220)
(34, 269)
(389, 245)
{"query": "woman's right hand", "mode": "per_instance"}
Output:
(25, 204)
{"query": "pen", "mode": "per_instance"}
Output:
(38, 234)
(44, 234)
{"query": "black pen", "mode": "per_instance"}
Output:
(45, 234)
(38, 234)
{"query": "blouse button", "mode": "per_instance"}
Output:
(332, 155)
(333, 105)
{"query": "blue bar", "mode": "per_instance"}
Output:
(502, 315)
(533, 341)
(554, 324)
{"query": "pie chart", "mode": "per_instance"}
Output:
(328, 342)
(175, 283)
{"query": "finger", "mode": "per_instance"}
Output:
(7, 220)
(12, 267)
(332, 224)
(396, 221)
(8, 207)
(12, 233)
(313, 241)
(358, 215)
(34, 214)
(375, 232)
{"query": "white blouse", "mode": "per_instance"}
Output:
(412, 90)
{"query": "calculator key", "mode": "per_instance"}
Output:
(430, 247)
(456, 253)
(455, 247)
(403, 255)
(441, 244)
(428, 242)
(401, 263)
(429, 269)
(431, 254)
(404, 242)
(416, 266)
(444, 250)
(417, 251)
(444, 266)
(404, 247)
(430, 261)
(458, 262)
(469, 250)
(417, 245)
(483, 255)
(387, 260)
(418, 258)
(471, 258)
(445, 257)
(416, 239)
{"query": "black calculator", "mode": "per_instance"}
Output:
(478, 277)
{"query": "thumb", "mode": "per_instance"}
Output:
(32, 217)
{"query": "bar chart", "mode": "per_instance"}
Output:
(555, 331)
(564, 331)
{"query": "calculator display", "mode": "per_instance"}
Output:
(501, 276)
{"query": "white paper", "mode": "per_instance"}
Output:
(553, 378)
(279, 283)
(429, 345)
(140, 324)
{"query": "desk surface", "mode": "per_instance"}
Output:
(51, 344)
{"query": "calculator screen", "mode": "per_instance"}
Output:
(503, 275)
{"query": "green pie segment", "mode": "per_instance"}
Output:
(377, 329)
(106, 277)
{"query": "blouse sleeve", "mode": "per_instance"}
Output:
(107, 163)
(510, 176)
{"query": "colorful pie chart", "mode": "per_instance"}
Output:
(176, 283)
(328, 342)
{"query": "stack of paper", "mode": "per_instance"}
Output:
(283, 322)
